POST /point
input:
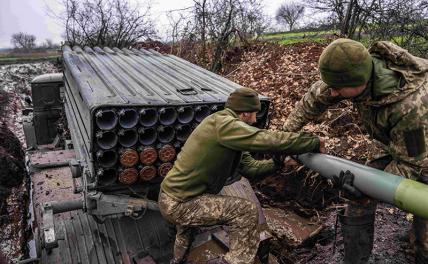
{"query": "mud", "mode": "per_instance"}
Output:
(14, 184)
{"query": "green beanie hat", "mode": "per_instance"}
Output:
(243, 100)
(345, 63)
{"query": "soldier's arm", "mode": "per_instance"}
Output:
(313, 104)
(252, 168)
(409, 137)
(235, 134)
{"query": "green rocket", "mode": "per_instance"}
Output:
(408, 195)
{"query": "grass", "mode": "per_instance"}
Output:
(10, 58)
(287, 38)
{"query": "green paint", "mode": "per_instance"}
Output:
(412, 196)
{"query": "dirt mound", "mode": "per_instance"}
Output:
(11, 158)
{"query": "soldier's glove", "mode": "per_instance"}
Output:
(345, 182)
(278, 159)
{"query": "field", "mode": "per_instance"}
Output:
(288, 38)
(14, 57)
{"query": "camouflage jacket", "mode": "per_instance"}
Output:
(393, 107)
(218, 149)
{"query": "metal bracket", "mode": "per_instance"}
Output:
(114, 205)
(48, 230)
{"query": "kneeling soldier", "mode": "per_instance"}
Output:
(216, 150)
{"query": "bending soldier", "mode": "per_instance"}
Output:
(216, 150)
(389, 87)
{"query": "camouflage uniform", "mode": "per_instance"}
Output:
(394, 111)
(214, 152)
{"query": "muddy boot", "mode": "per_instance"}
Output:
(420, 229)
(357, 232)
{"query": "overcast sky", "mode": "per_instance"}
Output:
(31, 16)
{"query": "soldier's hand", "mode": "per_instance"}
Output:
(278, 159)
(345, 182)
(283, 161)
(322, 146)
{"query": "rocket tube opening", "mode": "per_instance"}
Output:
(185, 114)
(147, 173)
(128, 118)
(148, 155)
(128, 137)
(183, 132)
(106, 119)
(106, 139)
(201, 112)
(107, 176)
(164, 169)
(107, 158)
(148, 117)
(167, 116)
(147, 135)
(128, 176)
(129, 157)
(167, 153)
(166, 134)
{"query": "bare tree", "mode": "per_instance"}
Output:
(105, 22)
(404, 22)
(289, 14)
(220, 24)
(23, 41)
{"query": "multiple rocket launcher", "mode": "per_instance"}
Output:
(129, 112)
(139, 144)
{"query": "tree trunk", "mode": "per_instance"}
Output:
(345, 23)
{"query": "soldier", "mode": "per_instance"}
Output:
(389, 87)
(216, 150)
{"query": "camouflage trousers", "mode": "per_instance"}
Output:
(207, 210)
(419, 236)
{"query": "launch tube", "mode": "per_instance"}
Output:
(128, 137)
(167, 153)
(129, 157)
(166, 134)
(185, 114)
(201, 112)
(106, 158)
(148, 155)
(148, 117)
(128, 176)
(106, 119)
(147, 135)
(183, 132)
(107, 176)
(106, 139)
(128, 118)
(406, 194)
(147, 172)
(167, 116)
(164, 168)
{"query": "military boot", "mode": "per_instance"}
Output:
(357, 232)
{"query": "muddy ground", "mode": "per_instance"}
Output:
(14, 185)
(283, 73)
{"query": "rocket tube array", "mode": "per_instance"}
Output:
(138, 144)
(406, 194)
